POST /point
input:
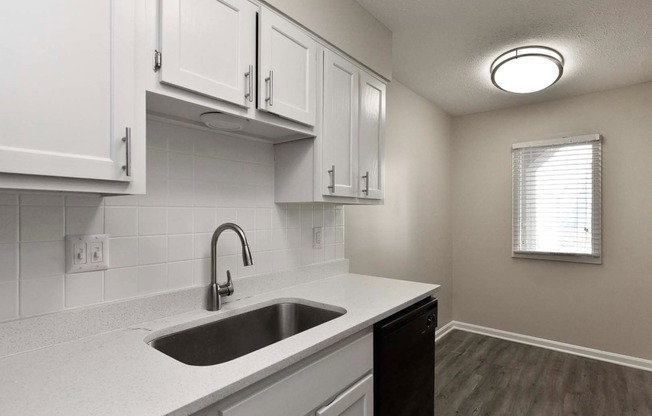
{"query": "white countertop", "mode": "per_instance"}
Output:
(117, 373)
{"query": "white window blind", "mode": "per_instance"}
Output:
(557, 199)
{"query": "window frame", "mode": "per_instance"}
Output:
(596, 184)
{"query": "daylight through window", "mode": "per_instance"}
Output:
(557, 198)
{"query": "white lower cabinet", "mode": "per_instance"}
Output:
(337, 381)
(355, 401)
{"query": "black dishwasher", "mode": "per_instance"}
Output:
(404, 362)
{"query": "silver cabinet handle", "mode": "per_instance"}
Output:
(127, 140)
(366, 181)
(249, 78)
(331, 172)
(270, 88)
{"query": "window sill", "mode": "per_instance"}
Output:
(569, 258)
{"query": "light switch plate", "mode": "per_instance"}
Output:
(87, 253)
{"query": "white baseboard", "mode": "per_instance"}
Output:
(444, 330)
(610, 357)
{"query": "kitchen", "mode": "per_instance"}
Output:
(342, 147)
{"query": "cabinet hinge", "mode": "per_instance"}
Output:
(158, 60)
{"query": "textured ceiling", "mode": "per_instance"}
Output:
(443, 48)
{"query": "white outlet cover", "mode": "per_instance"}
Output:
(317, 236)
(73, 241)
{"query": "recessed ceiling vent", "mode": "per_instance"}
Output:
(220, 121)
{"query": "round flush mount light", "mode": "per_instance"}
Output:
(527, 69)
(221, 121)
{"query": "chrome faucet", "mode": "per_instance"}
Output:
(216, 290)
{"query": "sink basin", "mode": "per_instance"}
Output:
(233, 337)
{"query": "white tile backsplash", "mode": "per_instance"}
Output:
(180, 247)
(204, 220)
(152, 221)
(8, 262)
(157, 193)
(202, 246)
(246, 218)
(339, 217)
(181, 166)
(152, 279)
(263, 219)
(121, 221)
(84, 220)
(180, 193)
(120, 283)
(41, 223)
(180, 220)
(152, 250)
(160, 241)
(41, 199)
(8, 199)
(42, 259)
(293, 217)
(8, 224)
(84, 289)
(124, 251)
(8, 300)
(180, 274)
(39, 296)
(228, 215)
(84, 201)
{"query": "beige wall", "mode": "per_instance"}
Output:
(410, 236)
(345, 24)
(608, 306)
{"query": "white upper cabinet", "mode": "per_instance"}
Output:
(67, 99)
(340, 126)
(345, 163)
(209, 47)
(287, 69)
(371, 139)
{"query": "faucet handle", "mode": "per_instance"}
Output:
(227, 289)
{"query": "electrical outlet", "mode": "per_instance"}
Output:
(317, 234)
(87, 253)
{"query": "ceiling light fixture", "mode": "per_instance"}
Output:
(527, 69)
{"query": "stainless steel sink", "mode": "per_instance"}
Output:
(233, 337)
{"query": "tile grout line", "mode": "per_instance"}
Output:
(18, 256)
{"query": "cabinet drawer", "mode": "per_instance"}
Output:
(355, 401)
(302, 391)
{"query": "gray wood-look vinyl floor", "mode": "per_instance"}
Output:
(478, 375)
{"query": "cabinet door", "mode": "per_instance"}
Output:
(209, 47)
(288, 64)
(68, 87)
(371, 141)
(356, 401)
(340, 126)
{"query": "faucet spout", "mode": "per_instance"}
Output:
(216, 290)
(247, 259)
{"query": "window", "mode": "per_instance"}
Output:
(557, 198)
